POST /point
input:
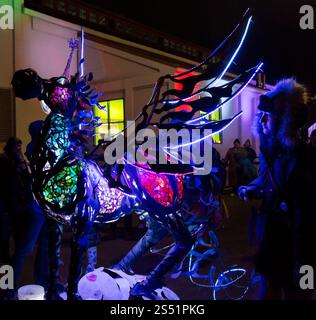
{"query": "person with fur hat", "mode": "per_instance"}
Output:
(286, 185)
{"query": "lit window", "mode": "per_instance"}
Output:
(217, 115)
(112, 119)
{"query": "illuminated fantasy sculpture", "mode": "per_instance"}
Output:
(73, 189)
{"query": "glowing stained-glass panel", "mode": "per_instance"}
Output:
(110, 199)
(61, 188)
(112, 119)
(180, 187)
(57, 139)
(60, 97)
(157, 186)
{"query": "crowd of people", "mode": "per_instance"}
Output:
(240, 161)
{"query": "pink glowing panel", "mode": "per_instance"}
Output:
(110, 199)
(159, 188)
(60, 97)
(180, 187)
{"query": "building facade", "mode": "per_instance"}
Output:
(125, 57)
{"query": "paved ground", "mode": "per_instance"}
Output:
(235, 250)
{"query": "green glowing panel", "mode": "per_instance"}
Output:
(57, 138)
(112, 118)
(61, 188)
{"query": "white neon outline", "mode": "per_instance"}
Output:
(208, 136)
(216, 287)
(82, 54)
(243, 272)
(237, 50)
(229, 99)
(212, 83)
(217, 79)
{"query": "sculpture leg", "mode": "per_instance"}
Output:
(54, 246)
(79, 246)
(155, 233)
(94, 239)
(92, 259)
(82, 224)
(183, 243)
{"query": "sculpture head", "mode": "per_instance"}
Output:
(64, 94)
(27, 84)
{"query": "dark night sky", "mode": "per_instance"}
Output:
(275, 36)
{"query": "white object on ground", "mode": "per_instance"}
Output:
(113, 284)
(31, 292)
(99, 285)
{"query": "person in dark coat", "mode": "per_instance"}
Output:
(28, 220)
(5, 230)
(248, 169)
(251, 153)
(233, 160)
(286, 185)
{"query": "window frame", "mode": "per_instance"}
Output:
(98, 136)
